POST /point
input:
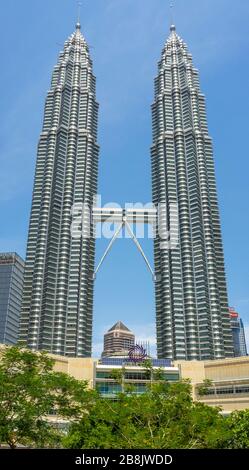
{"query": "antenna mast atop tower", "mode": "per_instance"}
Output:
(79, 5)
(172, 6)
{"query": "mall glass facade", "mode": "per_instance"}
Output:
(133, 377)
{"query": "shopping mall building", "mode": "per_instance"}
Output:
(229, 377)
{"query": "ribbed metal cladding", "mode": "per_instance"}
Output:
(58, 282)
(191, 295)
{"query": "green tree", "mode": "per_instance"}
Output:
(119, 376)
(158, 374)
(163, 417)
(204, 387)
(152, 374)
(29, 391)
(148, 366)
(238, 430)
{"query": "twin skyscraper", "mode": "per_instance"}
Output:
(192, 314)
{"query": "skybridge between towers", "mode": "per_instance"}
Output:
(125, 218)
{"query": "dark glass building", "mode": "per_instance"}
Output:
(238, 331)
(11, 285)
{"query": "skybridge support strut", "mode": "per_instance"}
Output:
(134, 238)
(115, 236)
(114, 216)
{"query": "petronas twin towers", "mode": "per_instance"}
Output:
(191, 298)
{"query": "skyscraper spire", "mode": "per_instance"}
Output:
(78, 24)
(172, 6)
(191, 294)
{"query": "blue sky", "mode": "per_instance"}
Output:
(126, 39)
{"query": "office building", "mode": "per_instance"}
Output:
(118, 340)
(58, 282)
(238, 331)
(229, 381)
(191, 294)
(229, 377)
(11, 285)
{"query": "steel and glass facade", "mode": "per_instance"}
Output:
(134, 376)
(191, 294)
(238, 332)
(11, 285)
(242, 339)
(58, 282)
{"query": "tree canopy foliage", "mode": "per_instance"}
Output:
(29, 392)
(163, 417)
